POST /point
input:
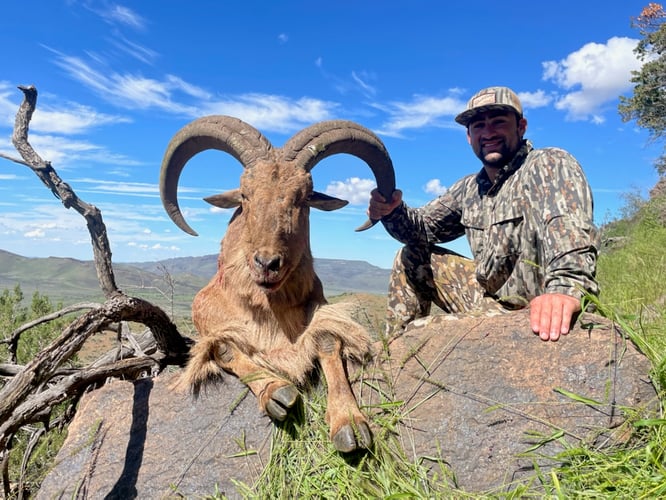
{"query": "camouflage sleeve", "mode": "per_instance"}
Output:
(436, 222)
(569, 238)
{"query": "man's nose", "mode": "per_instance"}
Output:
(488, 129)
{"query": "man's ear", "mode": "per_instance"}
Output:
(522, 127)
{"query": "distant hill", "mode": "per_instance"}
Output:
(338, 276)
(70, 280)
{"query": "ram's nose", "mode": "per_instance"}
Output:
(267, 264)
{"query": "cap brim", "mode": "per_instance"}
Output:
(466, 116)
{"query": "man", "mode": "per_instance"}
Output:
(527, 216)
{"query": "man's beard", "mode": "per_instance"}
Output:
(497, 158)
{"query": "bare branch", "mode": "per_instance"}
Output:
(62, 191)
(15, 160)
(32, 390)
(13, 339)
(31, 409)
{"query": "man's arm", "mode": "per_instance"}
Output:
(569, 240)
(436, 222)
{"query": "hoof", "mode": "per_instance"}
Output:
(286, 395)
(281, 400)
(346, 441)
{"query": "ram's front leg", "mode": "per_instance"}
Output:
(211, 356)
(349, 429)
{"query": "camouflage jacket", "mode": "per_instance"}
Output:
(530, 233)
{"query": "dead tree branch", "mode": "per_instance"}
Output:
(31, 391)
(62, 191)
(13, 339)
(167, 336)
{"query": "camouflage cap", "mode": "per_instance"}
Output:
(488, 99)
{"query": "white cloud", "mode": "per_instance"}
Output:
(138, 52)
(71, 119)
(8, 107)
(51, 122)
(35, 233)
(594, 75)
(537, 99)
(273, 112)
(123, 188)
(355, 190)
(191, 90)
(171, 95)
(64, 118)
(46, 222)
(421, 111)
(127, 91)
(116, 14)
(362, 80)
(63, 152)
(434, 186)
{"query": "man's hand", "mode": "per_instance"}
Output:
(379, 207)
(551, 314)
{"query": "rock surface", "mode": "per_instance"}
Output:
(478, 392)
(485, 390)
(143, 440)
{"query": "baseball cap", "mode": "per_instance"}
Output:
(489, 99)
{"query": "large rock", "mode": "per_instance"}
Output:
(485, 391)
(477, 391)
(143, 440)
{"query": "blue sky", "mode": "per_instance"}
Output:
(117, 80)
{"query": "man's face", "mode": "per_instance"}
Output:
(495, 136)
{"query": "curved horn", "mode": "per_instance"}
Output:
(313, 144)
(225, 133)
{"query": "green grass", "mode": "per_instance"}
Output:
(633, 276)
(305, 464)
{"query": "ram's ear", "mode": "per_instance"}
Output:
(325, 202)
(229, 199)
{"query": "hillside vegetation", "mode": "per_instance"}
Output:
(632, 271)
(632, 275)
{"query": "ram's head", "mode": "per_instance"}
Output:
(276, 190)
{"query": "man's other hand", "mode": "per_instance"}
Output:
(551, 314)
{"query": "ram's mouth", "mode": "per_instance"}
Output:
(269, 281)
(269, 286)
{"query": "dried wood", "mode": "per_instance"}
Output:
(31, 391)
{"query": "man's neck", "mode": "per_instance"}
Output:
(492, 172)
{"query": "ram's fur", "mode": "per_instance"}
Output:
(263, 316)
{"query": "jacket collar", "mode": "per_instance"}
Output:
(487, 187)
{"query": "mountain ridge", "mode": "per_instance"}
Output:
(66, 280)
